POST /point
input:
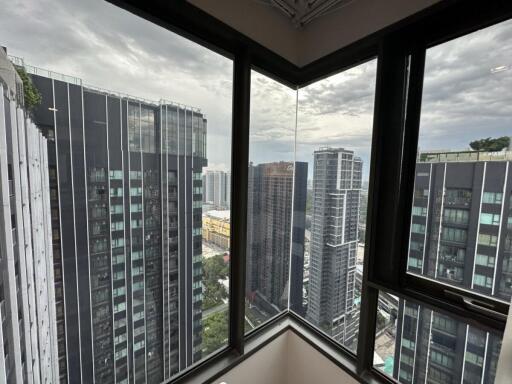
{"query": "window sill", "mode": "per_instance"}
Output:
(216, 365)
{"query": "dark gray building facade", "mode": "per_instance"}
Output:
(126, 192)
(277, 205)
(461, 234)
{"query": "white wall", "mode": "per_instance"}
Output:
(287, 359)
(305, 365)
(351, 23)
(257, 21)
(267, 366)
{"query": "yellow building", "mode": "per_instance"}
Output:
(216, 228)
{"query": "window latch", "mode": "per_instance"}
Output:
(478, 306)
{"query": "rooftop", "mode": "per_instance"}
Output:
(221, 215)
(463, 156)
(78, 81)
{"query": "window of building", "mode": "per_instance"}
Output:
(456, 196)
(136, 207)
(116, 225)
(135, 175)
(442, 359)
(484, 260)
(419, 211)
(116, 174)
(452, 253)
(482, 281)
(418, 228)
(490, 218)
(416, 246)
(488, 240)
(415, 263)
(454, 234)
(474, 358)
(116, 192)
(444, 323)
(492, 197)
(456, 216)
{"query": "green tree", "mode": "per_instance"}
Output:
(32, 97)
(214, 269)
(215, 332)
(213, 295)
(490, 145)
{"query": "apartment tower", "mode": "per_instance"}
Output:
(276, 214)
(334, 237)
(126, 191)
(461, 234)
(217, 186)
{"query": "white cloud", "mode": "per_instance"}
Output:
(113, 49)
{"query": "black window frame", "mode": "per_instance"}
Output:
(400, 50)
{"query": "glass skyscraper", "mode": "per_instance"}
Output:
(276, 225)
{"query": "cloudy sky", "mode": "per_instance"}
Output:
(110, 48)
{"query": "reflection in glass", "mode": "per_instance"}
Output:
(137, 298)
(276, 203)
(334, 135)
(462, 185)
(415, 344)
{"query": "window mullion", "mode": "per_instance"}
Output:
(239, 184)
(383, 190)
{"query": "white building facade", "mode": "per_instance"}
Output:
(27, 306)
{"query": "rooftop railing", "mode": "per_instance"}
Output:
(45, 72)
(463, 156)
(18, 61)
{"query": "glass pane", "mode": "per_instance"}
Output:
(460, 231)
(334, 136)
(270, 199)
(125, 292)
(415, 344)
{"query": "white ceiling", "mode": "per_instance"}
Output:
(340, 23)
(303, 12)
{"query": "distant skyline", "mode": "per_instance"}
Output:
(463, 100)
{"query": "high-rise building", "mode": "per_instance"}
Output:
(126, 191)
(216, 228)
(28, 341)
(461, 234)
(217, 187)
(227, 200)
(460, 229)
(435, 348)
(334, 238)
(276, 225)
(208, 186)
